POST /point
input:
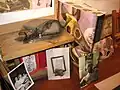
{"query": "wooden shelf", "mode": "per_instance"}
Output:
(13, 49)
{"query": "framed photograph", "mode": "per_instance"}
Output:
(20, 78)
(58, 65)
(15, 10)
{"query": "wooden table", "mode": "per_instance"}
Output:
(13, 49)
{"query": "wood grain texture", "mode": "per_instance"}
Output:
(12, 49)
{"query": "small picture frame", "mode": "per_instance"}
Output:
(58, 65)
(20, 78)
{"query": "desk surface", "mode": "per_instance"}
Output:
(13, 49)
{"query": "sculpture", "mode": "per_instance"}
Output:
(46, 30)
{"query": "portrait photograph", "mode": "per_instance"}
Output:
(58, 63)
(20, 78)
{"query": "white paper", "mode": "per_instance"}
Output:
(60, 59)
(30, 62)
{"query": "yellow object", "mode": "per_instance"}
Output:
(72, 26)
(70, 23)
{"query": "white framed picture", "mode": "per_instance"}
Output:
(58, 63)
(20, 78)
(18, 10)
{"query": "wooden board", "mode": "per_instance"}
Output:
(13, 49)
(109, 83)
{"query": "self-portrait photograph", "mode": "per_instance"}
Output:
(20, 78)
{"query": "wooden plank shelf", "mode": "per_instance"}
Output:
(13, 49)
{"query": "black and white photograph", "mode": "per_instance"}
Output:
(58, 63)
(20, 78)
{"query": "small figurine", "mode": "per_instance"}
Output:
(46, 30)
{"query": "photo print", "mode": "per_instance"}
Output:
(58, 63)
(20, 78)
